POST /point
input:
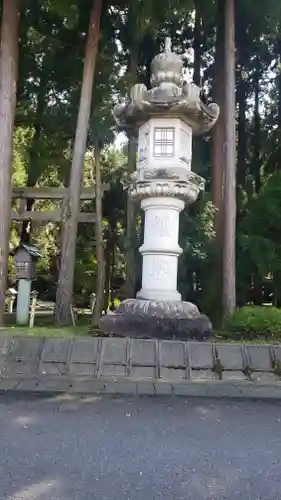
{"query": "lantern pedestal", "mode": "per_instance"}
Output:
(166, 117)
(157, 319)
(23, 302)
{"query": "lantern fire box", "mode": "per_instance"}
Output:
(25, 258)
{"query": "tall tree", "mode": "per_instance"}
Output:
(135, 21)
(229, 233)
(214, 293)
(218, 135)
(131, 235)
(242, 132)
(197, 43)
(72, 205)
(242, 57)
(257, 130)
(8, 91)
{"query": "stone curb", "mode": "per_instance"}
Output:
(135, 366)
(200, 388)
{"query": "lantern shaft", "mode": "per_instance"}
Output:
(160, 249)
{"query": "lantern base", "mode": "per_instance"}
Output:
(157, 319)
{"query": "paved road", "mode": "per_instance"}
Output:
(100, 448)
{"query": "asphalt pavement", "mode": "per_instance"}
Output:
(104, 448)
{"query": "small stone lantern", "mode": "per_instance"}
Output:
(25, 258)
(11, 294)
(166, 117)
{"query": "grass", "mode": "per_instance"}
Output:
(231, 338)
(44, 331)
(44, 328)
(258, 340)
(84, 331)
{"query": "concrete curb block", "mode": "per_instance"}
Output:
(200, 388)
(140, 367)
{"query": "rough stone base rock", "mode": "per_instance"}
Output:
(157, 319)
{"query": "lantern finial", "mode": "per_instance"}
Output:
(168, 44)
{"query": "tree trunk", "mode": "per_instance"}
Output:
(107, 272)
(212, 298)
(197, 44)
(277, 289)
(242, 59)
(8, 91)
(140, 238)
(279, 78)
(257, 135)
(218, 132)
(256, 295)
(130, 253)
(229, 285)
(70, 216)
(242, 135)
(97, 311)
(110, 262)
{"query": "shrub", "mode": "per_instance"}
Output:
(253, 321)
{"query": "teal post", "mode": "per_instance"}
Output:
(23, 303)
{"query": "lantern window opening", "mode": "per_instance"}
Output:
(22, 266)
(164, 141)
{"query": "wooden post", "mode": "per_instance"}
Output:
(8, 91)
(72, 313)
(92, 301)
(70, 219)
(97, 310)
(33, 309)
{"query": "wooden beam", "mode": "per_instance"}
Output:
(49, 216)
(52, 193)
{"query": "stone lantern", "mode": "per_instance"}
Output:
(25, 258)
(166, 117)
(11, 294)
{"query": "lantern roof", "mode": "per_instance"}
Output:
(169, 96)
(30, 249)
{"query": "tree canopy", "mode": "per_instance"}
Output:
(52, 40)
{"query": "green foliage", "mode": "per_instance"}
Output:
(21, 144)
(259, 236)
(67, 10)
(251, 322)
(197, 236)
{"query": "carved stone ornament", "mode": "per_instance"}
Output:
(151, 182)
(187, 191)
(170, 95)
